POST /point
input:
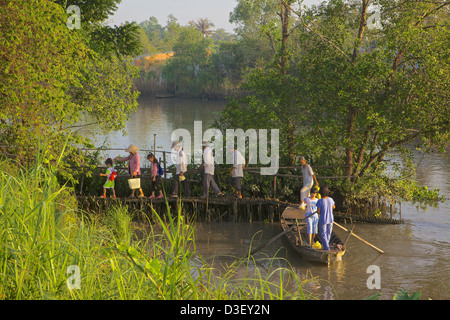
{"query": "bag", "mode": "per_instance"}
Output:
(113, 176)
(134, 183)
(160, 170)
(317, 245)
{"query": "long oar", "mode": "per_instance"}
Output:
(359, 238)
(279, 235)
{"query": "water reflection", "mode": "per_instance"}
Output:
(160, 117)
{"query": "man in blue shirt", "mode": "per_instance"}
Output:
(325, 208)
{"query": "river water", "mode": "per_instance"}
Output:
(417, 253)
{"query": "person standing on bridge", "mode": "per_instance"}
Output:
(155, 173)
(308, 176)
(134, 165)
(181, 168)
(237, 171)
(110, 175)
(208, 166)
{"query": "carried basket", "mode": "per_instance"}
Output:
(134, 183)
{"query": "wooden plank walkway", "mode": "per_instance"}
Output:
(213, 209)
(198, 208)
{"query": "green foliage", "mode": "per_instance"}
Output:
(44, 233)
(349, 95)
(189, 66)
(53, 77)
(399, 295)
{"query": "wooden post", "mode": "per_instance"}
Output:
(165, 165)
(299, 234)
(275, 187)
(235, 210)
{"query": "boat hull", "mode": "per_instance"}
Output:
(297, 238)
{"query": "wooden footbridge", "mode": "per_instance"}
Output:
(212, 209)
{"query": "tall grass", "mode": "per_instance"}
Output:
(43, 234)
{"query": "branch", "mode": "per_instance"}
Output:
(317, 33)
(362, 150)
(271, 42)
(379, 155)
(362, 27)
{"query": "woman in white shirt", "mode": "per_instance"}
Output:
(308, 176)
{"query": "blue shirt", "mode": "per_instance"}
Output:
(326, 210)
(311, 206)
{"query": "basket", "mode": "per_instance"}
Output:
(134, 183)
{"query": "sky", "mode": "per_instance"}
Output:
(217, 11)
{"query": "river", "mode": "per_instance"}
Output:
(417, 253)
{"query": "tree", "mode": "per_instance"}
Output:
(51, 77)
(203, 25)
(187, 68)
(354, 94)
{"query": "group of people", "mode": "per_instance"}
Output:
(134, 163)
(319, 209)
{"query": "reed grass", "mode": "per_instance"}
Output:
(43, 234)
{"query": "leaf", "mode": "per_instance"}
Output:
(154, 266)
(403, 295)
(374, 297)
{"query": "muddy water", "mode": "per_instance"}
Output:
(416, 258)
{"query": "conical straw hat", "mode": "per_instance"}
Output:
(132, 148)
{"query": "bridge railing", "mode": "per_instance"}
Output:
(163, 156)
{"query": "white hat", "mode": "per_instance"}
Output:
(175, 143)
(205, 143)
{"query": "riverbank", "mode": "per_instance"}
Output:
(49, 249)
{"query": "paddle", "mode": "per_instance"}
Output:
(359, 238)
(279, 235)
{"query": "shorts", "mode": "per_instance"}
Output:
(312, 224)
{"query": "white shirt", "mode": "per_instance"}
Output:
(307, 175)
(208, 160)
(181, 163)
(238, 163)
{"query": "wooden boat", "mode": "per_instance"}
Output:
(298, 238)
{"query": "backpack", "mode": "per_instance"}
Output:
(160, 170)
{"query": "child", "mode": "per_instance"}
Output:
(312, 221)
(156, 178)
(325, 208)
(111, 174)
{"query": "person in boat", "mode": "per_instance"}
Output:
(308, 178)
(237, 171)
(325, 207)
(156, 177)
(181, 168)
(311, 209)
(208, 166)
(134, 165)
